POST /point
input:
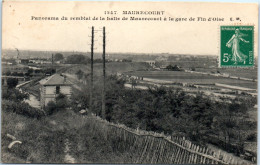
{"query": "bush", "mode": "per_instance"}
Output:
(252, 137)
(50, 108)
(12, 82)
(22, 108)
(171, 110)
(14, 95)
(62, 101)
(40, 143)
(53, 107)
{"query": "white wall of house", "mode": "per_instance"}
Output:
(66, 90)
(50, 90)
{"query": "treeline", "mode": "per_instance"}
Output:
(173, 111)
(80, 59)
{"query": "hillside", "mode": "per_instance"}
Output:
(43, 140)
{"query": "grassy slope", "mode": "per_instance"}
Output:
(44, 140)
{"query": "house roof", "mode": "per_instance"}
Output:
(56, 79)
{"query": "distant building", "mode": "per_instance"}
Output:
(52, 86)
(18, 61)
(6, 63)
(40, 61)
(163, 67)
(58, 62)
(151, 63)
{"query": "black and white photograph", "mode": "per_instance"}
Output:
(129, 82)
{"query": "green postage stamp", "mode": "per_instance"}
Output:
(236, 46)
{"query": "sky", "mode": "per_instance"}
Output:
(20, 31)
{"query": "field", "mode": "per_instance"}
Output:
(111, 67)
(193, 78)
(142, 70)
(239, 72)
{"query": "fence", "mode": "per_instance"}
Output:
(150, 147)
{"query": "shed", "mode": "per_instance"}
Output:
(52, 86)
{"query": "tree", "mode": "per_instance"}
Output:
(77, 59)
(197, 116)
(8, 73)
(230, 124)
(29, 72)
(20, 74)
(79, 74)
(49, 71)
(58, 57)
(169, 67)
(173, 68)
(12, 82)
(126, 60)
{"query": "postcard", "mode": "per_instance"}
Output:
(129, 82)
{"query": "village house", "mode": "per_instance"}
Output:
(151, 63)
(52, 86)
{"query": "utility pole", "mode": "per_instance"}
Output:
(91, 74)
(103, 113)
(18, 53)
(52, 64)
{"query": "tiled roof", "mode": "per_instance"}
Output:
(55, 79)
